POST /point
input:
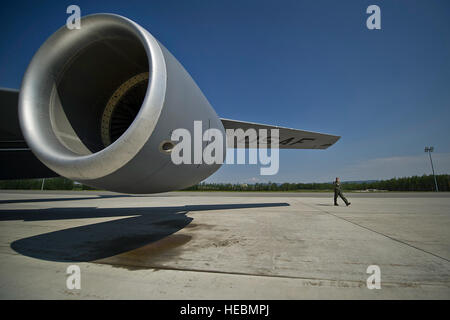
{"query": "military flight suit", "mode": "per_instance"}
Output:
(338, 192)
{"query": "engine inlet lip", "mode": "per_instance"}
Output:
(39, 86)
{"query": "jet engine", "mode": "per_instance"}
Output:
(99, 104)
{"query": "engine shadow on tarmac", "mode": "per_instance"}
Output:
(105, 239)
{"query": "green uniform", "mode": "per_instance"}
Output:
(338, 192)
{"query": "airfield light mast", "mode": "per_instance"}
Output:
(430, 150)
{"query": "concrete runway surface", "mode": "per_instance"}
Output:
(227, 245)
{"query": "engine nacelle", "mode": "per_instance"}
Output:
(98, 105)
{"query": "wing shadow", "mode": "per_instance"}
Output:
(105, 239)
(62, 199)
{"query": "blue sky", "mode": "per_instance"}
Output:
(310, 65)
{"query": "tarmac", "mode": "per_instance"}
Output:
(224, 245)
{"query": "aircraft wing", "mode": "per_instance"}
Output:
(289, 138)
(16, 159)
(18, 162)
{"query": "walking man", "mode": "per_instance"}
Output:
(338, 192)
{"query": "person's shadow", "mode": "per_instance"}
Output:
(133, 228)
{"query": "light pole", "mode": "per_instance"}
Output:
(430, 150)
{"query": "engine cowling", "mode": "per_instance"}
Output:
(98, 105)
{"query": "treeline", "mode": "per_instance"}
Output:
(415, 183)
(47, 184)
